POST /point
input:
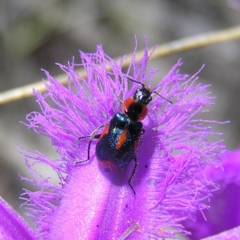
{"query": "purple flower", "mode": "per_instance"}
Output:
(224, 213)
(170, 184)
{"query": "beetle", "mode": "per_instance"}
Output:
(118, 142)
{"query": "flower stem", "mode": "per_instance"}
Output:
(176, 46)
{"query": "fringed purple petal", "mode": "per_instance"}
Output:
(12, 226)
(224, 210)
(170, 183)
(229, 173)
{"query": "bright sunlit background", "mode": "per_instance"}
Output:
(37, 34)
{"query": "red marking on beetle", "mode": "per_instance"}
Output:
(127, 103)
(108, 165)
(105, 131)
(121, 139)
(143, 114)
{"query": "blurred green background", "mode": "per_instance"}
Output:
(35, 35)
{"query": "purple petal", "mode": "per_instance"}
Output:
(12, 226)
(224, 212)
(233, 234)
(229, 173)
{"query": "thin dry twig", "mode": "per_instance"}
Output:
(163, 50)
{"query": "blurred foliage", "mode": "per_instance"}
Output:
(28, 32)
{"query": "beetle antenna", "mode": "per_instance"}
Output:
(163, 97)
(143, 85)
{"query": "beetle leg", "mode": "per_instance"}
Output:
(92, 136)
(133, 174)
(142, 131)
